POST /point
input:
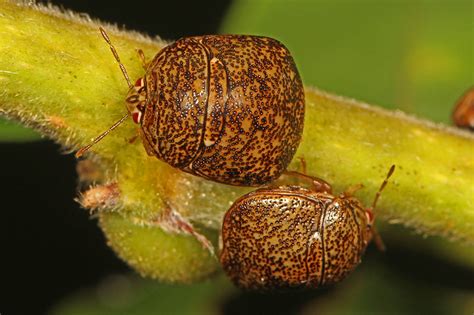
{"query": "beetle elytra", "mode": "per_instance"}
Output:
(228, 108)
(294, 237)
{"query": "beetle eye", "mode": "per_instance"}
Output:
(132, 99)
(139, 82)
(136, 116)
(370, 216)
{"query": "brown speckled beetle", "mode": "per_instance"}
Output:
(294, 237)
(229, 108)
(463, 114)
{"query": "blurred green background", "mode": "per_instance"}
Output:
(416, 56)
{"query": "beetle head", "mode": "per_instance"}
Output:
(136, 100)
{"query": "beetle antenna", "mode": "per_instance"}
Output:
(102, 135)
(377, 239)
(130, 85)
(117, 58)
(377, 196)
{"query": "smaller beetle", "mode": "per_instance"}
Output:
(294, 237)
(463, 114)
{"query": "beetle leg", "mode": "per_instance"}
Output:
(141, 56)
(352, 189)
(370, 226)
(317, 184)
(303, 165)
(135, 137)
(320, 185)
(377, 239)
(172, 222)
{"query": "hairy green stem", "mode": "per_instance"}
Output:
(58, 76)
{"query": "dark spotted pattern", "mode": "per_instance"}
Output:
(228, 108)
(292, 237)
